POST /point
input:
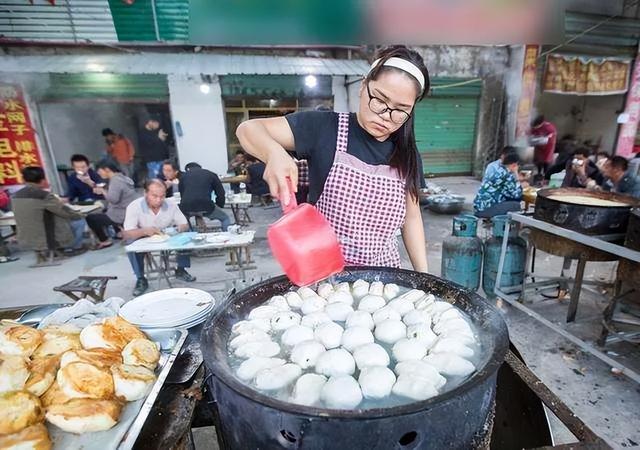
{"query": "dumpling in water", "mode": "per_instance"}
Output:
(295, 335)
(371, 303)
(293, 300)
(343, 287)
(439, 307)
(360, 288)
(390, 331)
(284, 319)
(275, 378)
(413, 295)
(263, 312)
(257, 324)
(338, 311)
(335, 362)
(422, 369)
(329, 334)
(306, 353)
(463, 337)
(402, 305)
(306, 292)
(376, 382)
(416, 316)
(313, 304)
(426, 303)
(414, 387)
(314, 319)
(340, 297)
(459, 325)
(355, 337)
(377, 288)
(423, 333)
(449, 314)
(360, 319)
(250, 368)
(452, 345)
(279, 302)
(408, 349)
(259, 348)
(386, 313)
(307, 389)
(450, 364)
(391, 291)
(253, 335)
(370, 355)
(325, 290)
(341, 392)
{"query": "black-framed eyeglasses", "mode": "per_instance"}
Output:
(379, 106)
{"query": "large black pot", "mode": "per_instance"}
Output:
(632, 240)
(590, 220)
(459, 419)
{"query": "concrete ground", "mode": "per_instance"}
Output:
(609, 404)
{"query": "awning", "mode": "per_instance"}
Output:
(182, 64)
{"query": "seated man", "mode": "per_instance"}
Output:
(150, 215)
(44, 222)
(170, 176)
(255, 181)
(196, 188)
(492, 167)
(501, 192)
(581, 172)
(82, 181)
(619, 179)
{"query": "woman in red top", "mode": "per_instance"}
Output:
(543, 152)
(363, 167)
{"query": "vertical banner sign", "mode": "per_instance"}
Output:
(18, 146)
(523, 117)
(627, 135)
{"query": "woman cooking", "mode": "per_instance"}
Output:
(363, 167)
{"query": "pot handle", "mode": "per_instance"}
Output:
(293, 203)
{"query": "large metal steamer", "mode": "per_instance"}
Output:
(461, 418)
(629, 271)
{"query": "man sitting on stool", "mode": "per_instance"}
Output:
(150, 215)
(196, 188)
(501, 192)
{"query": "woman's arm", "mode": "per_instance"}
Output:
(413, 236)
(268, 140)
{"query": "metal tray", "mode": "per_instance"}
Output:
(134, 414)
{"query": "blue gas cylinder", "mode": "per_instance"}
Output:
(462, 253)
(514, 260)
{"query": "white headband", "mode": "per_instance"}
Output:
(405, 65)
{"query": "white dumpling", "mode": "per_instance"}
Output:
(376, 382)
(275, 378)
(458, 325)
(402, 305)
(260, 348)
(306, 353)
(293, 299)
(413, 295)
(390, 291)
(452, 345)
(341, 392)
(360, 288)
(426, 303)
(370, 355)
(466, 338)
(335, 362)
(257, 324)
(313, 304)
(371, 303)
(329, 334)
(251, 335)
(415, 317)
(279, 302)
(422, 369)
(314, 319)
(450, 364)
(360, 319)
(385, 313)
(338, 311)
(306, 292)
(376, 288)
(409, 349)
(390, 331)
(248, 370)
(307, 389)
(343, 287)
(263, 312)
(355, 337)
(439, 307)
(449, 314)
(414, 387)
(284, 319)
(423, 333)
(325, 289)
(296, 334)
(340, 297)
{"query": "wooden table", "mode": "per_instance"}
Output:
(234, 179)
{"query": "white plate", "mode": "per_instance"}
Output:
(167, 307)
(182, 323)
(218, 239)
(187, 325)
(157, 239)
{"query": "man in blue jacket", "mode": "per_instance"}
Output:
(82, 181)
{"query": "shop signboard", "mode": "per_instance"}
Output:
(579, 75)
(528, 91)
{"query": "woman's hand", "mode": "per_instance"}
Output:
(279, 167)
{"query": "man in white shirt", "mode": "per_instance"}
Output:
(150, 215)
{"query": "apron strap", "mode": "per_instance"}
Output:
(343, 132)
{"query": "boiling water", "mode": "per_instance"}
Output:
(389, 401)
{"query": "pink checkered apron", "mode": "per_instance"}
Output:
(365, 204)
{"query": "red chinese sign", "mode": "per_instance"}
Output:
(528, 93)
(627, 134)
(18, 146)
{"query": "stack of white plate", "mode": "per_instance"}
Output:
(169, 308)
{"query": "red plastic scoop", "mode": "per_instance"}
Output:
(305, 244)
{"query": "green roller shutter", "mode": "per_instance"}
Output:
(445, 128)
(134, 22)
(107, 86)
